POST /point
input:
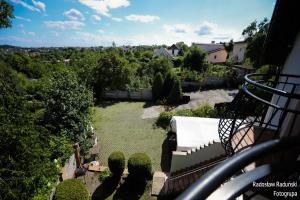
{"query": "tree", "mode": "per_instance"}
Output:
(255, 35)
(195, 59)
(112, 72)
(6, 14)
(175, 95)
(161, 64)
(26, 167)
(229, 46)
(168, 84)
(157, 88)
(67, 108)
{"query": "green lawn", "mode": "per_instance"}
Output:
(119, 127)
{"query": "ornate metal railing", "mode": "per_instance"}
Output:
(265, 107)
(225, 182)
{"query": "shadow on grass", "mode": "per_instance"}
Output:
(168, 146)
(104, 104)
(106, 188)
(131, 189)
(148, 104)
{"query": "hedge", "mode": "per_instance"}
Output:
(139, 166)
(72, 189)
(116, 163)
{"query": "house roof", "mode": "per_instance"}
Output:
(163, 52)
(174, 46)
(210, 47)
(239, 42)
(283, 29)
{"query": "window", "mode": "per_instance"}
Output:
(215, 56)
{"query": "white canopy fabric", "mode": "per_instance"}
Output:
(192, 132)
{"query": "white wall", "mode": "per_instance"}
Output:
(238, 52)
(291, 66)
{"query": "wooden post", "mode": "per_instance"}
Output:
(77, 155)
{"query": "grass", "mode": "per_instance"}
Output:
(119, 127)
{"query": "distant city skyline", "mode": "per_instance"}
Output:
(59, 23)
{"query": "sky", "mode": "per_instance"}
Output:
(86, 23)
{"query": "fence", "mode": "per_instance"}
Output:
(142, 95)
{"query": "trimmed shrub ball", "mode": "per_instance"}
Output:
(72, 189)
(116, 163)
(139, 166)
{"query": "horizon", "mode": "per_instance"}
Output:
(92, 23)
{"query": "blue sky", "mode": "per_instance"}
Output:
(130, 22)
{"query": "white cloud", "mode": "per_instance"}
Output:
(25, 5)
(22, 18)
(178, 28)
(142, 18)
(63, 25)
(40, 5)
(204, 32)
(95, 18)
(103, 6)
(55, 33)
(100, 31)
(28, 33)
(74, 15)
(206, 28)
(117, 19)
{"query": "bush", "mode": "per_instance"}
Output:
(185, 112)
(139, 166)
(175, 95)
(195, 59)
(168, 84)
(204, 110)
(157, 88)
(72, 189)
(164, 119)
(104, 175)
(116, 163)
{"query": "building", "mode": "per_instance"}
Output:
(216, 52)
(170, 52)
(163, 52)
(238, 52)
(259, 131)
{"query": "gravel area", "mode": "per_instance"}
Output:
(210, 96)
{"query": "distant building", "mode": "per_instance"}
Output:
(238, 52)
(216, 52)
(169, 52)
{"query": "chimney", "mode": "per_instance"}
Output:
(77, 155)
(213, 42)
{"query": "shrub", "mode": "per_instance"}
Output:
(157, 88)
(116, 163)
(139, 166)
(185, 112)
(164, 119)
(104, 175)
(195, 59)
(72, 189)
(204, 110)
(175, 95)
(168, 84)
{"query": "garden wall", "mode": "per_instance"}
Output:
(140, 95)
(210, 81)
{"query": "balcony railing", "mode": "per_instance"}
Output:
(226, 182)
(266, 107)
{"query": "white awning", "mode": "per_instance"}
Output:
(192, 132)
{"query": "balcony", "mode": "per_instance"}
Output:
(259, 131)
(267, 107)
